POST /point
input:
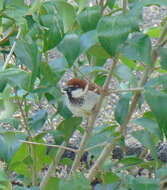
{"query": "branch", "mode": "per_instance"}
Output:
(126, 90)
(163, 35)
(95, 146)
(32, 148)
(91, 121)
(12, 50)
(52, 167)
(109, 146)
(99, 162)
(50, 145)
(124, 5)
(6, 38)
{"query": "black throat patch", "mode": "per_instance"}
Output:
(75, 101)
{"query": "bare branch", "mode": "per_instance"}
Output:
(52, 167)
(12, 50)
(50, 145)
(91, 120)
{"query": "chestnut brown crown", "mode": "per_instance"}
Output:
(80, 83)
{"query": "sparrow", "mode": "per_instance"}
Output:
(81, 96)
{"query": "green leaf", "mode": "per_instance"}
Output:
(162, 52)
(58, 65)
(100, 134)
(89, 18)
(53, 183)
(4, 180)
(147, 140)
(37, 121)
(63, 109)
(138, 48)
(122, 108)
(109, 178)
(68, 126)
(52, 72)
(7, 109)
(70, 47)
(129, 161)
(111, 3)
(114, 30)
(149, 125)
(123, 72)
(29, 55)
(66, 161)
(54, 33)
(157, 102)
(99, 52)
(76, 182)
(161, 172)
(145, 184)
(82, 4)
(154, 32)
(10, 144)
(67, 13)
(87, 70)
(87, 40)
(16, 77)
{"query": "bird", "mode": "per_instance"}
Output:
(81, 96)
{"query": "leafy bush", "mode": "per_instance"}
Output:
(87, 35)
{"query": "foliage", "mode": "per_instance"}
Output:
(85, 34)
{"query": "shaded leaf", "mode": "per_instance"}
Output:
(138, 48)
(67, 13)
(54, 33)
(37, 121)
(16, 77)
(122, 108)
(89, 18)
(150, 125)
(157, 102)
(147, 140)
(162, 52)
(9, 144)
(76, 182)
(87, 40)
(145, 184)
(70, 47)
(114, 30)
(111, 3)
(123, 72)
(68, 126)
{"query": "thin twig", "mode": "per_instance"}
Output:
(91, 121)
(51, 168)
(105, 153)
(124, 5)
(32, 148)
(50, 145)
(12, 50)
(25, 124)
(95, 146)
(125, 90)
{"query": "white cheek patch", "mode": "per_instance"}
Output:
(77, 93)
